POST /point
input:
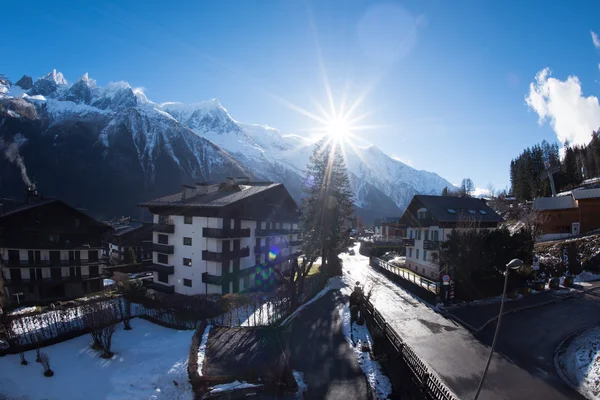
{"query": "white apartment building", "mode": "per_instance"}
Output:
(429, 221)
(222, 238)
(50, 251)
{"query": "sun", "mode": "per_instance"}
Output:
(338, 128)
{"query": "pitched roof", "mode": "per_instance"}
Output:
(554, 203)
(123, 229)
(453, 209)
(586, 193)
(27, 207)
(220, 195)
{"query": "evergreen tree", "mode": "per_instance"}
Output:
(327, 204)
(571, 172)
(445, 191)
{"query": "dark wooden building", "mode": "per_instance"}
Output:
(50, 250)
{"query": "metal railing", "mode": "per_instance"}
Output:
(430, 384)
(217, 233)
(163, 248)
(432, 286)
(168, 269)
(221, 257)
(431, 245)
(50, 263)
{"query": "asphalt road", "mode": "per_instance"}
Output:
(320, 351)
(458, 357)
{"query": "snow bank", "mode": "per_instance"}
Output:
(581, 362)
(202, 349)
(150, 362)
(360, 334)
(587, 276)
(228, 387)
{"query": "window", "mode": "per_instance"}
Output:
(163, 277)
(94, 271)
(410, 252)
(187, 262)
(451, 210)
(411, 234)
(417, 254)
(483, 212)
(424, 255)
(427, 234)
(93, 255)
(187, 241)
(162, 239)
(422, 215)
(77, 222)
(246, 280)
(188, 219)
(162, 258)
(418, 234)
(434, 235)
(187, 282)
(471, 211)
(163, 219)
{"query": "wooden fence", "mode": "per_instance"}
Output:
(430, 385)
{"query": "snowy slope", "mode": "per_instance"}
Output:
(203, 140)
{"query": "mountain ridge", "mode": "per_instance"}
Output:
(167, 144)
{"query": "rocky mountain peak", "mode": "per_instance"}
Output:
(26, 82)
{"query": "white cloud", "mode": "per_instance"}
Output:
(572, 116)
(595, 39)
(478, 192)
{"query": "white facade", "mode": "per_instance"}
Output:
(188, 262)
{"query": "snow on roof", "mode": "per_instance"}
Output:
(586, 194)
(554, 203)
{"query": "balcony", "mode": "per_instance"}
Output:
(167, 269)
(408, 242)
(217, 233)
(222, 257)
(160, 287)
(45, 281)
(431, 245)
(295, 243)
(163, 248)
(212, 279)
(426, 222)
(272, 232)
(167, 227)
(49, 263)
(261, 249)
(294, 231)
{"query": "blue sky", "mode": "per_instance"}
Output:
(446, 82)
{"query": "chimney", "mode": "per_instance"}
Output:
(187, 192)
(32, 195)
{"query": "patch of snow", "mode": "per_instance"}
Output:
(581, 362)
(587, 276)
(23, 310)
(91, 83)
(108, 282)
(37, 97)
(357, 336)
(202, 348)
(302, 386)
(150, 362)
(229, 387)
(57, 77)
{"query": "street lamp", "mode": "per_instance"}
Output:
(514, 264)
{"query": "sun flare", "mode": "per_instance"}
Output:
(338, 128)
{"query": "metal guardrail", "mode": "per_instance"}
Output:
(433, 287)
(430, 384)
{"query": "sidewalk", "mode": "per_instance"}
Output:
(320, 350)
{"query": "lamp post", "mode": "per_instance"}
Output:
(514, 264)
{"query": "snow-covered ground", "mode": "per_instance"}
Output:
(231, 386)
(24, 310)
(332, 284)
(405, 312)
(357, 336)
(202, 349)
(581, 362)
(150, 362)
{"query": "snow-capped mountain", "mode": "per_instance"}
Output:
(80, 136)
